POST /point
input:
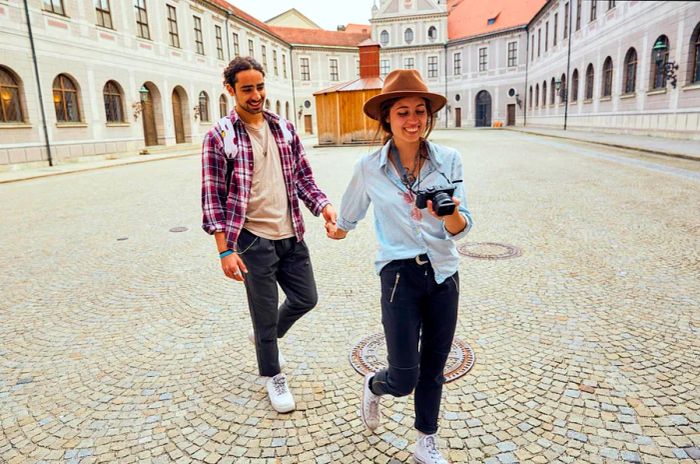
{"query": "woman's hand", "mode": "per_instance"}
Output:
(455, 222)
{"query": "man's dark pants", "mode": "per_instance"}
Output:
(270, 262)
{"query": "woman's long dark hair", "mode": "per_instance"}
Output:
(384, 128)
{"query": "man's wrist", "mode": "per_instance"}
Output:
(226, 253)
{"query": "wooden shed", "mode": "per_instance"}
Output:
(340, 119)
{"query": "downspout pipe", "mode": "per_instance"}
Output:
(568, 68)
(38, 84)
(294, 94)
(527, 62)
(228, 39)
(447, 112)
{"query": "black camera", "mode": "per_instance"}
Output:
(440, 196)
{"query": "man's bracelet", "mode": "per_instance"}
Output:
(225, 253)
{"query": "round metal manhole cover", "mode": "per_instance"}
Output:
(179, 229)
(369, 355)
(489, 250)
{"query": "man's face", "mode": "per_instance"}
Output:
(249, 91)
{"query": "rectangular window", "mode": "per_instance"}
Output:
(54, 6)
(284, 65)
(219, 43)
(236, 45)
(566, 20)
(409, 63)
(198, 37)
(274, 62)
(532, 47)
(546, 36)
(304, 65)
(512, 54)
(457, 63)
(141, 19)
(333, 69)
(104, 13)
(539, 42)
(357, 68)
(594, 9)
(384, 67)
(578, 14)
(432, 66)
(554, 31)
(173, 34)
(263, 51)
(483, 59)
(611, 4)
(251, 48)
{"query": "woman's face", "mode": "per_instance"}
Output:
(408, 118)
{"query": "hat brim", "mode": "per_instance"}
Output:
(373, 105)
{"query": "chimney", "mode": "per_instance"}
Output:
(369, 59)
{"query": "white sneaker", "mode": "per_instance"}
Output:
(280, 396)
(280, 358)
(369, 405)
(426, 451)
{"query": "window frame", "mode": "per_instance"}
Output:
(512, 54)
(101, 13)
(432, 65)
(574, 86)
(630, 78)
(457, 63)
(483, 59)
(63, 90)
(589, 88)
(333, 70)
(198, 36)
(143, 30)
(52, 8)
(115, 95)
(219, 42)
(607, 77)
(236, 45)
(173, 36)
(13, 88)
(203, 103)
(304, 69)
(594, 10)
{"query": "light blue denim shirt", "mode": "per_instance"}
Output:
(401, 235)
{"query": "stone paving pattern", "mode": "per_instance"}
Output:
(123, 342)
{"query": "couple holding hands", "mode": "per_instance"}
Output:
(254, 172)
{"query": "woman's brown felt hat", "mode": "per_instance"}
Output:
(402, 83)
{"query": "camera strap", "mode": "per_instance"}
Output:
(405, 178)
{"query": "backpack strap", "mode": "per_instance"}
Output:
(285, 130)
(225, 128)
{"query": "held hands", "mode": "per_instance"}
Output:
(233, 267)
(332, 231)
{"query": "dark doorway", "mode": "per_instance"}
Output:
(483, 109)
(149, 119)
(458, 117)
(511, 114)
(308, 127)
(177, 117)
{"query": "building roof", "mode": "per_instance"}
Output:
(292, 18)
(245, 16)
(367, 83)
(358, 28)
(297, 35)
(469, 18)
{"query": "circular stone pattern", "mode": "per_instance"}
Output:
(369, 355)
(179, 229)
(489, 250)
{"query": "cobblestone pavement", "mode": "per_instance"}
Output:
(123, 342)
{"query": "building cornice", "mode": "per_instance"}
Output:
(407, 18)
(487, 35)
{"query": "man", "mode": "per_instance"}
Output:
(255, 216)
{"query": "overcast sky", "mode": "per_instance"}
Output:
(326, 13)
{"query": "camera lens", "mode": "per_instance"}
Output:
(443, 204)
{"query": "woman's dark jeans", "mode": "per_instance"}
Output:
(419, 318)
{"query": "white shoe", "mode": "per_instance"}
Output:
(280, 358)
(369, 405)
(280, 396)
(426, 451)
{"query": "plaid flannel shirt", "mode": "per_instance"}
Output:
(226, 213)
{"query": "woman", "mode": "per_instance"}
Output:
(417, 259)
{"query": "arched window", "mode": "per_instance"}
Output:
(563, 90)
(278, 108)
(589, 82)
(203, 106)
(607, 77)
(267, 105)
(695, 56)
(553, 92)
(65, 99)
(432, 33)
(223, 106)
(659, 58)
(630, 71)
(574, 86)
(384, 37)
(544, 94)
(408, 35)
(286, 110)
(10, 104)
(530, 100)
(114, 106)
(537, 95)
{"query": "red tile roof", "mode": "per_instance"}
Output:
(366, 83)
(469, 18)
(297, 35)
(358, 28)
(244, 16)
